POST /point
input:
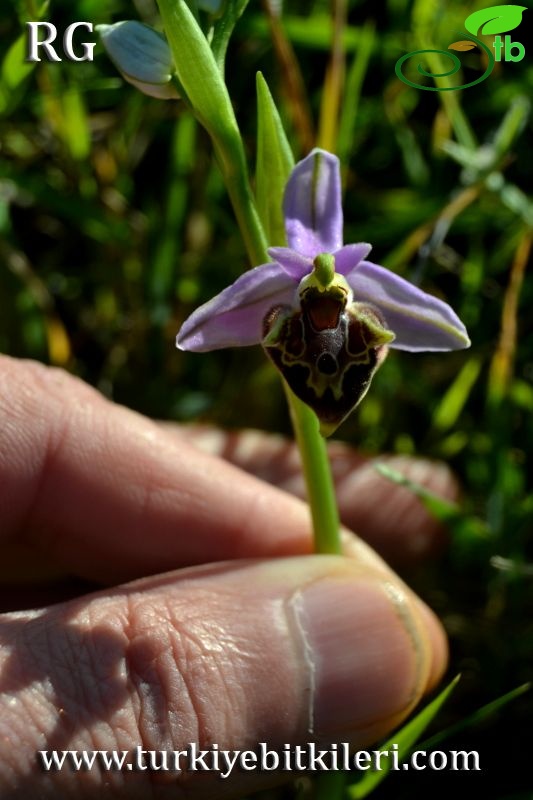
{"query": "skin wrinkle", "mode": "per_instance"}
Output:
(170, 679)
(200, 655)
(36, 689)
(243, 526)
(86, 662)
(88, 645)
(144, 676)
(46, 684)
(190, 501)
(135, 478)
(12, 734)
(182, 656)
(248, 664)
(215, 712)
(129, 667)
(97, 733)
(205, 658)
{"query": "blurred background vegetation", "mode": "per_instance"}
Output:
(114, 226)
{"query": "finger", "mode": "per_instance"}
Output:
(390, 517)
(284, 651)
(106, 494)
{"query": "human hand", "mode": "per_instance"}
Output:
(247, 640)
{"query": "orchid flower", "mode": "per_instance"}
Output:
(324, 314)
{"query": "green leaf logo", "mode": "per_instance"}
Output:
(498, 19)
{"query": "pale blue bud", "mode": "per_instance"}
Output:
(141, 55)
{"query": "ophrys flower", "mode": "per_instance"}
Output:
(324, 315)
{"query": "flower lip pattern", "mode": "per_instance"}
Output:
(323, 313)
(314, 222)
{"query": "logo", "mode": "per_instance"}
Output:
(486, 21)
(34, 44)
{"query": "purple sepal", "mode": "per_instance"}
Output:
(419, 320)
(234, 318)
(312, 205)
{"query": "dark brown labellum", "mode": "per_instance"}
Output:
(327, 351)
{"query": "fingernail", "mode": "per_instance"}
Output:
(362, 647)
(439, 645)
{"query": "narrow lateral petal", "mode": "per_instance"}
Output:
(349, 256)
(234, 318)
(292, 262)
(312, 205)
(419, 320)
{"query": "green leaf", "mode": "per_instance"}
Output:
(443, 509)
(313, 31)
(15, 69)
(463, 525)
(455, 398)
(13, 73)
(511, 126)
(354, 83)
(223, 28)
(478, 716)
(76, 133)
(198, 72)
(405, 738)
(168, 244)
(32, 10)
(516, 200)
(498, 19)
(199, 76)
(274, 164)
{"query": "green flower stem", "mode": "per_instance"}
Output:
(311, 445)
(207, 95)
(313, 452)
(232, 163)
(318, 477)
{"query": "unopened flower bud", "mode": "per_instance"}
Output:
(141, 55)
